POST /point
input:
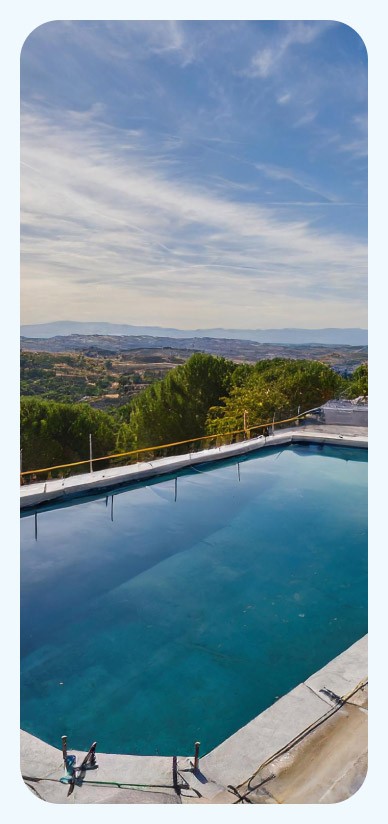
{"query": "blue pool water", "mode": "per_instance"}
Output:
(148, 623)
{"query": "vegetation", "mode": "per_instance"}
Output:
(58, 433)
(207, 394)
(64, 377)
(277, 387)
(92, 377)
(176, 408)
(358, 384)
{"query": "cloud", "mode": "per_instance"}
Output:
(127, 40)
(358, 147)
(279, 173)
(106, 230)
(269, 59)
(284, 98)
(305, 119)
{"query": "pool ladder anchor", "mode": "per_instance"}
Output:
(74, 772)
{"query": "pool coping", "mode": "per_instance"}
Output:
(276, 726)
(232, 762)
(106, 479)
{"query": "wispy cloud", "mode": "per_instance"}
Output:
(97, 219)
(284, 98)
(129, 40)
(179, 167)
(358, 147)
(269, 58)
(306, 118)
(280, 173)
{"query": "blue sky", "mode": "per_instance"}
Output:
(194, 174)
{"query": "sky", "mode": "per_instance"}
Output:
(194, 174)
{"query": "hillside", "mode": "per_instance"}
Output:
(240, 350)
(90, 376)
(345, 337)
(106, 371)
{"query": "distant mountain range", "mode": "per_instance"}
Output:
(346, 337)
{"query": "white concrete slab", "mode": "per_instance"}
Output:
(42, 768)
(233, 761)
(343, 673)
(34, 751)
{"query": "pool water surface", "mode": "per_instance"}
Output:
(177, 610)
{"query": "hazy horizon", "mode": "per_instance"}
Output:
(350, 336)
(182, 327)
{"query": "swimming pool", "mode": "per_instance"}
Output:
(178, 609)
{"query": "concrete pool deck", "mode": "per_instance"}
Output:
(46, 492)
(308, 748)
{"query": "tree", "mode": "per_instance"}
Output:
(274, 387)
(176, 407)
(358, 385)
(58, 433)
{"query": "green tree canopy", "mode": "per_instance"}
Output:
(56, 433)
(358, 385)
(274, 387)
(176, 407)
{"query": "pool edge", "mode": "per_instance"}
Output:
(100, 481)
(231, 764)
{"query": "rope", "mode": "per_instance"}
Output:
(294, 741)
(121, 785)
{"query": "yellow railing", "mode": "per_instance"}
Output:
(246, 431)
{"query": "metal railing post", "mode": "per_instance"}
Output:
(64, 747)
(90, 453)
(247, 433)
(196, 754)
